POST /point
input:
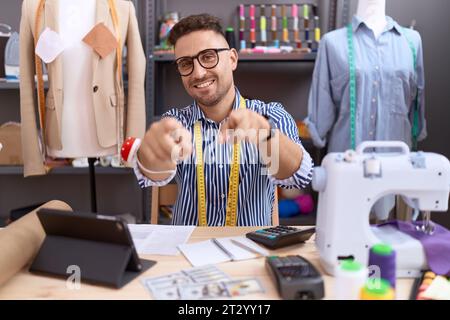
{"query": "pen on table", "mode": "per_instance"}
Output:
(243, 246)
(221, 247)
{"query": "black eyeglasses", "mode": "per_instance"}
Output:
(208, 59)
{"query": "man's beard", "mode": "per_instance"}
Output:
(214, 99)
(211, 101)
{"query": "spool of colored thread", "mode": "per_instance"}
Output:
(273, 20)
(383, 256)
(377, 289)
(294, 14)
(306, 11)
(288, 208)
(263, 24)
(241, 22)
(243, 45)
(305, 203)
(350, 278)
(229, 35)
(252, 26)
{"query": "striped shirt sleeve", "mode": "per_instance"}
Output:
(286, 124)
(143, 180)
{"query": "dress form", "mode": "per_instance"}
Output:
(373, 13)
(79, 135)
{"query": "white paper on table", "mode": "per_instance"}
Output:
(237, 252)
(159, 239)
(208, 252)
(251, 245)
(203, 253)
(49, 45)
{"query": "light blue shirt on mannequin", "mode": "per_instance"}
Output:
(386, 85)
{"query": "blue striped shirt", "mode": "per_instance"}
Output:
(256, 189)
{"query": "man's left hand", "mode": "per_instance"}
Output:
(244, 124)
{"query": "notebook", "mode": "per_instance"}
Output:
(220, 250)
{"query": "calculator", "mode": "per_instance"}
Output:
(295, 278)
(280, 236)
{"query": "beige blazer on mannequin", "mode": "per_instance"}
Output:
(104, 81)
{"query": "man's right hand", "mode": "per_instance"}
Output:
(166, 142)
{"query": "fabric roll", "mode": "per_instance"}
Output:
(21, 241)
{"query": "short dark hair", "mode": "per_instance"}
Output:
(193, 23)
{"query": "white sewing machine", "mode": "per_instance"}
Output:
(350, 183)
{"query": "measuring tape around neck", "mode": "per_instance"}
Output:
(353, 94)
(40, 78)
(233, 185)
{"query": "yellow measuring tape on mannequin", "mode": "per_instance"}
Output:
(40, 78)
(115, 19)
(233, 185)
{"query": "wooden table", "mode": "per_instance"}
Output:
(29, 286)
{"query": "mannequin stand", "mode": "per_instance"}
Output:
(92, 184)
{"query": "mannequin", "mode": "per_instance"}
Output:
(76, 19)
(388, 100)
(84, 107)
(373, 13)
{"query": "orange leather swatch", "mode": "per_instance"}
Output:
(101, 39)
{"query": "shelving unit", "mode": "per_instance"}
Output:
(245, 57)
(18, 170)
(160, 77)
(9, 85)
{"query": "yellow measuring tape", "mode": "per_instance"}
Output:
(233, 185)
(40, 78)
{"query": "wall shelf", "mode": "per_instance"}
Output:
(9, 85)
(5, 85)
(246, 57)
(18, 170)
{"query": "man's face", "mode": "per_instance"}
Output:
(207, 86)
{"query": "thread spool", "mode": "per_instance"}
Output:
(243, 44)
(350, 278)
(252, 10)
(306, 23)
(383, 256)
(305, 203)
(377, 289)
(306, 11)
(294, 10)
(229, 35)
